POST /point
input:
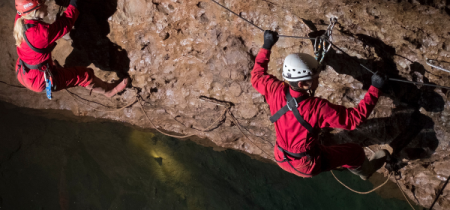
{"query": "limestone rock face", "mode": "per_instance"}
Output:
(178, 52)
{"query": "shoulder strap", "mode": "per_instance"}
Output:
(297, 114)
(291, 105)
(285, 108)
(45, 50)
(278, 114)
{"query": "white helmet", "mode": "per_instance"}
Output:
(299, 67)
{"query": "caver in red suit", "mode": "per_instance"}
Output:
(292, 136)
(34, 51)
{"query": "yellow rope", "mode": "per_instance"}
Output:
(404, 194)
(376, 188)
(362, 193)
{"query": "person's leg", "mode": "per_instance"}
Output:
(348, 155)
(84, 77)
(64, 78)
(107, 89)
(371, 165)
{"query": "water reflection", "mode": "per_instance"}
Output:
(64, 164)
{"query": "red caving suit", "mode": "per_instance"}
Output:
(41, 36)
(320, 113)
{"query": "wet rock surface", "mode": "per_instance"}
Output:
(177, 51)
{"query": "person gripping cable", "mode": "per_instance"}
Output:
(298, 117)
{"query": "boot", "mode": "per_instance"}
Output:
(371, 165)
(108, 89)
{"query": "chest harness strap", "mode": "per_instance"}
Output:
(38, 50)
(292, 105)
(26, 67)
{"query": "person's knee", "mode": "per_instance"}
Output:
(89, 73)
(88, 76)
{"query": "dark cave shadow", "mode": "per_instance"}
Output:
(408, 131)
(90, 41)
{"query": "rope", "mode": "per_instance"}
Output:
(404, 194)
(224, 114)
(391, 79)
(362, 193)
(238, 15)
(183, 136)
(236, 122)
(16, 86)
(229, 10)
(329, 41)
(82, 100)
(376, 188)
(419, 83)
(437, 67)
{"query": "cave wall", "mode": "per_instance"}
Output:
(176, 51)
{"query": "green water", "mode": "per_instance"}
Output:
(67, 164)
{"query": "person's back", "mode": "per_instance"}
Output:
(298, 150)
(43, 35)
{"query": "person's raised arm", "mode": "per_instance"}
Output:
(261, 81)
(64, 24)
(337, 116)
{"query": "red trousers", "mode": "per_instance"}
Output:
(328, 158)
(62, 78)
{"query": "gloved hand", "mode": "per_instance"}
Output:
(270, 38)
(379, 80)
(74, 3)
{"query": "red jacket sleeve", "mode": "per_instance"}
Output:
(63, 24)
(264, 83)
(337, 116)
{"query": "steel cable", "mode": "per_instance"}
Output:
(390, 79)
(279, 35)
(331, 43)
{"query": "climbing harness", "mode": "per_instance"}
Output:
(292, 105)
(331, 43)
(48, 77)
(429, 62)
(320, 43)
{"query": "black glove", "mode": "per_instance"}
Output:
(379, 80)
(270, 38)
(74, 3)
